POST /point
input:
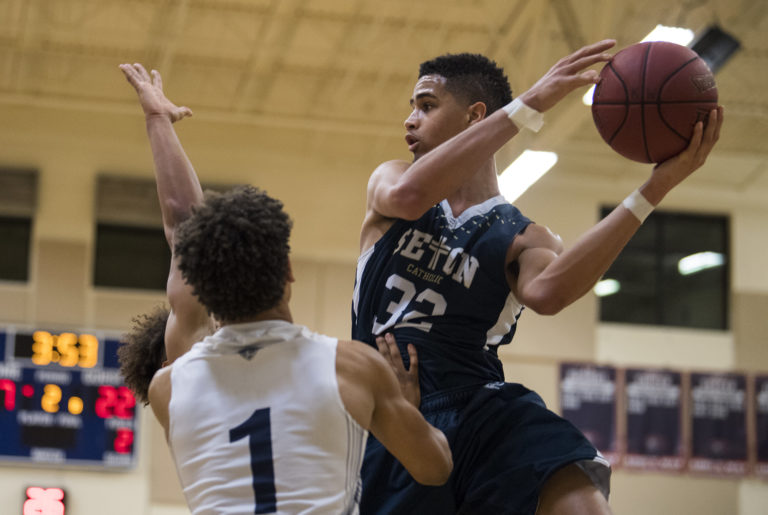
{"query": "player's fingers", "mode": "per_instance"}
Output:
(709, 135)
(157, 80)
(130, 74)
(720, 113)
(394, 351)
(594, 48)
(587, 61)
(712, 131)
(695, 143)
(589, 77)
(383, 350)
(141, 71)
(414, 360)
(185, 111)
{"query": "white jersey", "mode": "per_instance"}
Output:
(257, 424)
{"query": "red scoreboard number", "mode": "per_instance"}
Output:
(44, 501)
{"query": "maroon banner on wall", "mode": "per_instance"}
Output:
(718, 423)
(588, 400)
(654, 417)
(761, 420)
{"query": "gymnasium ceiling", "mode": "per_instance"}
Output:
(345, 68)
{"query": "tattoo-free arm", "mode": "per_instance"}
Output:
(178, 191)
(547, 279)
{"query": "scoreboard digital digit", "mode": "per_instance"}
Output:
(63, 401)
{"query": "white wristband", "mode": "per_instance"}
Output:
(523, 115)
(638, 205)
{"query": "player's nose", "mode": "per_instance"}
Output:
(412, 121)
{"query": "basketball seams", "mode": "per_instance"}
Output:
(671, 75)
(642, 103)
(661, 91)
(626, 101)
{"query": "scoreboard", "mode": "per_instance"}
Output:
(63, 401)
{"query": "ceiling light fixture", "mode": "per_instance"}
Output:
(700, 261)
(528, 168)
(606, 287)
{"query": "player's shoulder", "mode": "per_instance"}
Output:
(389, 169)
(160, 383)
(536, 236)
(356, 357)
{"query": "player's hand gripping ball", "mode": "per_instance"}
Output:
(649, 98)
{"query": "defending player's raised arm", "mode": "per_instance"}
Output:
(546, 279)
(372, 396)
(178, 190)
(178, 187)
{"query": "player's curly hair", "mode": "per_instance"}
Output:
(142, 351)
(471, 78)
(233, 251)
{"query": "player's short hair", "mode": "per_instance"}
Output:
(233, 251)
(142, 351)
(471, 78)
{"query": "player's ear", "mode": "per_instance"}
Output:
(476, 112)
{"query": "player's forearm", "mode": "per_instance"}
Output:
(440, 172)
(178, 187)
(429, 459)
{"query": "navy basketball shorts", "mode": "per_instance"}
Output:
(505, 445)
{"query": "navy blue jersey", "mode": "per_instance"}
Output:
(439, 282)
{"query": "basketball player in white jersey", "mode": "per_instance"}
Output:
(162, 335)
(362, 397)
(265, 416)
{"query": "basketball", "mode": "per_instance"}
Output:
(649, 98)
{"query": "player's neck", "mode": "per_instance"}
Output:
(280, 312)
(482, 186)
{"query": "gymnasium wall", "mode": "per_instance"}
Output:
(325, 196)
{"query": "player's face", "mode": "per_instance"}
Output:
(435, 117)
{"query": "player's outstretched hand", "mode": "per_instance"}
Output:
(567, 74)
(150, 91)
(675, 169)
(408, 379)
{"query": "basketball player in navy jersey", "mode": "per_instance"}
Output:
(447, 264)
(318, 443)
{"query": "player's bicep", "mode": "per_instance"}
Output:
(528, 258)
(384, 194)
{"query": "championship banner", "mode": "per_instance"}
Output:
(761, 420)
(588, 400)
(718, 414)
(654, 416)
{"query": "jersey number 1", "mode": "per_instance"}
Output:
(257, 429)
